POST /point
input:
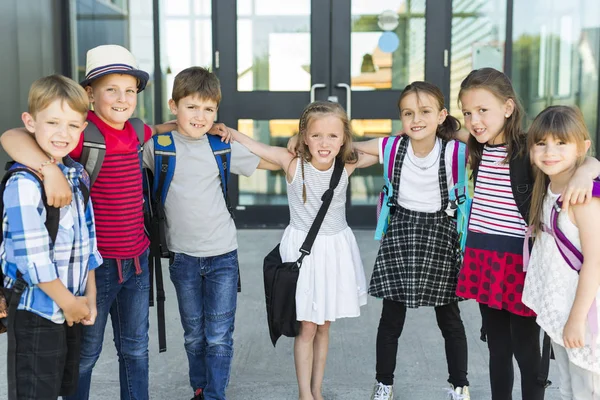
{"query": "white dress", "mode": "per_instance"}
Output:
(332, 281)
(551, 285)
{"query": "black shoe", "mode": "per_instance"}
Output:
(198, 395)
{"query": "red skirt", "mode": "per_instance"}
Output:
(494, 277)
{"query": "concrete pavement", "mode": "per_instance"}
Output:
(262, 372)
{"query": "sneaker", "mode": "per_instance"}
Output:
(382, 392)
(459, 393)
(198, 395)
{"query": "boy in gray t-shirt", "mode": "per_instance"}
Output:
(200, 232)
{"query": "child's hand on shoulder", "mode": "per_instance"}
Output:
(58, 190)
(574, 334)
(76, 310)
(219, 129)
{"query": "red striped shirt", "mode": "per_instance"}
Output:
(117, 192)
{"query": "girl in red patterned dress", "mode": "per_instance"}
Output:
(492, 271)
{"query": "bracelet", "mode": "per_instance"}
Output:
(45, 163)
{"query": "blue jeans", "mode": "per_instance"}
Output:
(207, 295)
(128, 306)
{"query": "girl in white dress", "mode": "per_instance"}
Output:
(332, 281)
(560, 296)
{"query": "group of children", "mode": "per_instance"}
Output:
(76, 277)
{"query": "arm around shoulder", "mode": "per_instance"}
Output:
(273, 154)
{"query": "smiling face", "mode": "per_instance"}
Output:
(56, 128)
(114, 97)
(420, 116)
(195, 116)
(324, 138)
(554, 156)
(485, 115)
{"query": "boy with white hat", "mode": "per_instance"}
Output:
(112, 82)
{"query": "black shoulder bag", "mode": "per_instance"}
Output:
(281, 278)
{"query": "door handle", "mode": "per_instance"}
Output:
(313, 88)
(348, 98)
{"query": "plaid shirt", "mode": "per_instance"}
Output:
(28, 246)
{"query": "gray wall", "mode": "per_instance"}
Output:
(30, 47)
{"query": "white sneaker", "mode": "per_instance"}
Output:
(382, 392)
(459, 393)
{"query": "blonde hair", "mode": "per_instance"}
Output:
(48, 89)
(196, 81)
(562, 123)
(320, 109)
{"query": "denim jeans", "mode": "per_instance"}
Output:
(207, 295)
(128, 306)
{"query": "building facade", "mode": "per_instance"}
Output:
(275, 56)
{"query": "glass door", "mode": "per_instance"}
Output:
(275, 57)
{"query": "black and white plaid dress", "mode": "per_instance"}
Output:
(419, 258)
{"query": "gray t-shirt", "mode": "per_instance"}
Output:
(198, 223)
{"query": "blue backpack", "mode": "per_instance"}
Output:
(459, 195)
(164, 168)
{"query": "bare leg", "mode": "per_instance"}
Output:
(303, 358)
(320, 347)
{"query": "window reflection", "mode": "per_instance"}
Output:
(387, 43)
(273, 45)
(556, 56)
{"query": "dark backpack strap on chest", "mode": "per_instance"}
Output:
(93, 152)
(94, 147)
(13, 296)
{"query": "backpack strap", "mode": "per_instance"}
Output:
(139, 127)
(222, 153)
(93, 152)
(390, 150)
(94, 147)
(164, 165)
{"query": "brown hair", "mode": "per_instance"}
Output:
(562, 123)
(196, 81)
(500, 86)
(446, 129)
(320, 109)
(48, 89)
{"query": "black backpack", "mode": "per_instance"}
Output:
(52, 222)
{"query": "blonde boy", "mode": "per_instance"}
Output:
(56, 272)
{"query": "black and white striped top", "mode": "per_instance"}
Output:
(303, 214)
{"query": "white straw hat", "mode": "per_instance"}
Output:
(112, 59)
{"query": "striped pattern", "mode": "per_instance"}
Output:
(111, 68)
(118, 201)
(494, 208)
(303, 214)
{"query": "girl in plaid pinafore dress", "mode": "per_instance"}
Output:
(419, 258)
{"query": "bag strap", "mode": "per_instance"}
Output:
(222, 153)
(326, 198)
(164, 165)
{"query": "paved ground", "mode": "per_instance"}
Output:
(263, 372)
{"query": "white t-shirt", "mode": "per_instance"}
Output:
(198, 222)
(420, 189)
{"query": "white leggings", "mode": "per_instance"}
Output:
(576, 383)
